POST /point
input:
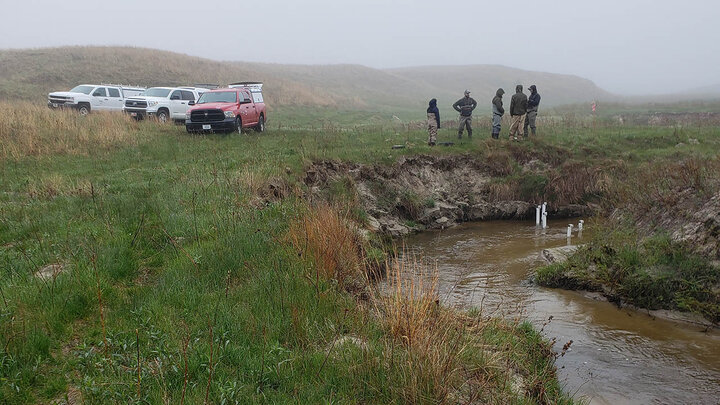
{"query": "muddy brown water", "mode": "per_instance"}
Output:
(618, 356)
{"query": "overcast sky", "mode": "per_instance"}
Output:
(625, 46)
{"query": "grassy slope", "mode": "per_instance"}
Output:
(484, 80)
(31, 74)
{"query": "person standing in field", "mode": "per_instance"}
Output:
(465, 107)
(532, 109)
(433, 117)
(498, 111)
(518, 109)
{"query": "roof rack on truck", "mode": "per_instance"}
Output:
(124, 86)
(207, 85)
(256, 86)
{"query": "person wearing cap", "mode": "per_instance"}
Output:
(433, 117)
(518, 109)
(465, 107)
(498, 111)
(532, 110)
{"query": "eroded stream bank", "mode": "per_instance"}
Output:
(617, 356)
(438, 192)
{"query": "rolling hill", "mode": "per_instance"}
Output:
(30, 74)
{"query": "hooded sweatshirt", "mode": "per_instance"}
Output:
(534, 99)
(497, 104)
(518, 102)
(432, 108)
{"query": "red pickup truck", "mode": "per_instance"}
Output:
(234, 108)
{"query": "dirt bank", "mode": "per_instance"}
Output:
(424, 192)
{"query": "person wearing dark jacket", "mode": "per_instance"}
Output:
(433, 119)
(498, 111)
(532, 109)
(518, 109)
(465, 107)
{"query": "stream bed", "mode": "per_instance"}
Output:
(617, 356)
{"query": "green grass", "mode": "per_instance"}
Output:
(653, 272)
(165, 251)
(174, 235)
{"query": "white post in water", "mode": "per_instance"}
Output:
(544, 220)
(569, 232)
(580, 225)
(544, 208)
(537, 215)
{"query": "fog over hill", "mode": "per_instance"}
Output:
(30, 74)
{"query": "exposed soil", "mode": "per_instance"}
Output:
(424, 192)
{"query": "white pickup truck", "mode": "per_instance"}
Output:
(163, 103)
(92, 97)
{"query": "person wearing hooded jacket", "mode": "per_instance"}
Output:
(498, 111)
(532, 109)
(518, 109)
(433, 117)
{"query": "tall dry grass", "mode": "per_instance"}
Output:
(30, 130)
(411, 313)
(573, 182)
(430, 336)
(324, 235)
(677, 187)
(435, 340)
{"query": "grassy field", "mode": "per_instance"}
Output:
(141, 264)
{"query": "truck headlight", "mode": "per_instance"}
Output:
(152, 103)
(187, 115)
(71, 100)
(229, 114)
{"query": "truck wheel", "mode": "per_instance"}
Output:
(84, 109)
(238, 125)
(260, 127)
(162, 115)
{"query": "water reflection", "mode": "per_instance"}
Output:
(617, 356)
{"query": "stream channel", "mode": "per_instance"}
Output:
(617, 356)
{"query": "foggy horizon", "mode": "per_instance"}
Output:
(642, 48)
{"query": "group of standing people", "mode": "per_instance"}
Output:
(523, 110)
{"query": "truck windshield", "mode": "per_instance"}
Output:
(218, 97)
(82, 89)
(156, 92)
